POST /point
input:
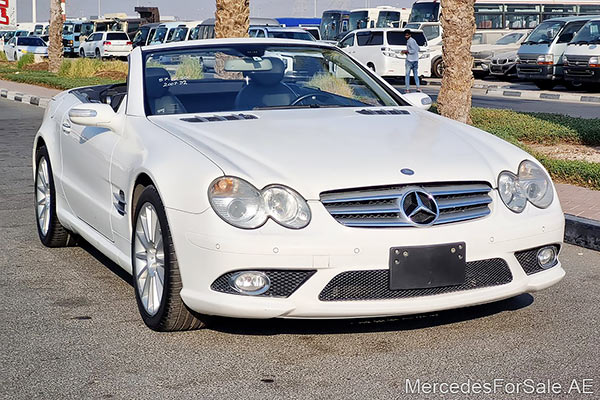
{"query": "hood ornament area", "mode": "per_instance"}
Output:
(419, 207)
(407, 171)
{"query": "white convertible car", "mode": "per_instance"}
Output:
(262, 178)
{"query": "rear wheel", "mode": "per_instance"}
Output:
(156, 277)
(437, 69)
(545, 85)
(50, 231)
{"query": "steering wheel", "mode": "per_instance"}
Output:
(312, 96)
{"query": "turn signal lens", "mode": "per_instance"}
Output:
(594, 62)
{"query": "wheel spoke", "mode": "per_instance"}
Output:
(145, 225)
(143, 271)
(160, 272)
(142, 238)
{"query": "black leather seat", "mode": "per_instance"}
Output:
(160, 100)
(265, 88)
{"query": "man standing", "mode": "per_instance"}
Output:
(412, 60)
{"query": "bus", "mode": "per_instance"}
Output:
(334, 24)
(510, 14)
(379, 17)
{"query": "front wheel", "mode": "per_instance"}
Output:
(156, 276)
(98, 56)
(50, 230)
(81, 53)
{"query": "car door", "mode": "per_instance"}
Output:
(87, 45)
(347, 44)
(86, 155)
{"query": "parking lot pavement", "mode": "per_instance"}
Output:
(70, 328)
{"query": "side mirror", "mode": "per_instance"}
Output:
(417, 99)
(95, 114)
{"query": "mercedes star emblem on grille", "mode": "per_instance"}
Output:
(419, 207)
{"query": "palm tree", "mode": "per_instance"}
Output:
(55, 49)
(232, 18)
(458, 26)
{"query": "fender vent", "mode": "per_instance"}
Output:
(217, 118)
(392, 111)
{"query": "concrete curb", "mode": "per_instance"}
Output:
(425, 82)
(24, 98)
(582, 232)
(536, 95)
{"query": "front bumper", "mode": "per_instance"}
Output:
(582, 74)
(502, 69)
(536, 72)
(207, 248)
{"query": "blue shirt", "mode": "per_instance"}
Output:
(413, 50)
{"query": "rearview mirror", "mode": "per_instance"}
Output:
(95, 114)
(247, 65)
(418, 99)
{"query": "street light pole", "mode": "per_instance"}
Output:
(98, 8)
(34, 11)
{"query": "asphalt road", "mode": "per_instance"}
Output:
(70, 328)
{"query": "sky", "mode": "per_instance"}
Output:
(199, 9)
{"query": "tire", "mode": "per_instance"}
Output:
(50, 230)
(437, 69)
(573, 85)
(81, 53)
(545, 85)
(98, 56)
(167, 313)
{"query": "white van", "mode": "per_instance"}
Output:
(381, 50)
(164, 32)
(582, 57)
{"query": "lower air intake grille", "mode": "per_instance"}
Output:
(529, 262)
(375, 284)
(283, 282)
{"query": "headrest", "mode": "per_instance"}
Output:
(271, 77)
(157, 80)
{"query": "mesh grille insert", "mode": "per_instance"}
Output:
(283, 282)
(374, 284)
(529, 262)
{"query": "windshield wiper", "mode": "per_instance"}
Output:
(289, 107)
(580, 42)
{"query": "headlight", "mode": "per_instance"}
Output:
(531, 184)
(594, 62)
(242, 205)
(545, 59)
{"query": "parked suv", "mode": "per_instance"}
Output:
(582, 57)
(106, 44)
(381, 50)
(541, 55)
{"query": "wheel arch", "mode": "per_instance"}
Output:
(142, 181)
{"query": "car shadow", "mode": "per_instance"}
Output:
(269, 327)
(364, 325)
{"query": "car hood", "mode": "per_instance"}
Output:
(534, 48)
(486, 50)
(583, 50)
(314, 150)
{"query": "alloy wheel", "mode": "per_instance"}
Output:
(43, 196)
(149, 266)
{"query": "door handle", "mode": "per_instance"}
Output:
(66, 127)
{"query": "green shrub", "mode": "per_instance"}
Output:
(190, 68)
(89, 68)
(2, 56)
(26, 59)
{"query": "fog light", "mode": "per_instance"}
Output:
(546, 257)
(250, 282)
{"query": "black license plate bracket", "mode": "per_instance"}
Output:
(421, 267)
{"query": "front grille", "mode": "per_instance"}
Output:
(375, 284)
(66, 43)
(577, 61)
(529, 262)
(528, 59)
(380, 206)
(283, 282)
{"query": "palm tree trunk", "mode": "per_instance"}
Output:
(55, 48)
(232, 18)
(458, 25)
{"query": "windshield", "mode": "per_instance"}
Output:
(589, 34)
(249, 77)
(511, 38)
(67, 28)
(31, 41)
(545, 32)
(179, 34)
(425, 12)
(359, 20)
(330, 25)
(291, 35)
(388, 19)
(159, 35)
